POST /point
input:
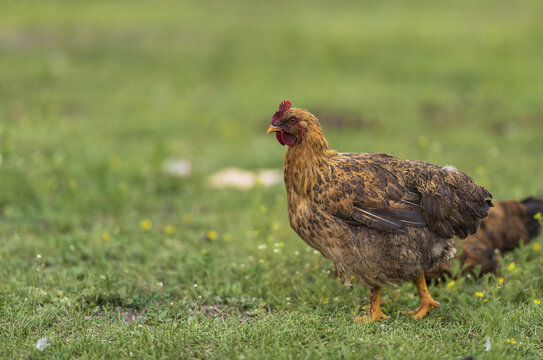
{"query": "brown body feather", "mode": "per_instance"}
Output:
(378, 218)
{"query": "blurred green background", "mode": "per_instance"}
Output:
(96, 95)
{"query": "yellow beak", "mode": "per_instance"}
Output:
(272, 129)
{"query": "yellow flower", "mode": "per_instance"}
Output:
(479, 294)
(336, 298)
(485, 300)
(281, 244)
(538, 217)
(512, 341)
(501, 280)
(352, 277)
(169, 229)
(451, 284)
(511, 266)
(204, 252)
(537, 302)
(325, 301)
(59, 293)
(535, 246)
(146, 225)
(106, 237)
(212, 235)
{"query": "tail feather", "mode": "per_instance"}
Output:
(509, 223)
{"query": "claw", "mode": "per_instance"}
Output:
(424, 309)
(426, 301)
(371, 317)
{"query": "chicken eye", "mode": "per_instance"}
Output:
(292, 121)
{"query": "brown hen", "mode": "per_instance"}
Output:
(379, 219)
(507, 225)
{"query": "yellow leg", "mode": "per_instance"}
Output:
(374, 312)
(426, 301)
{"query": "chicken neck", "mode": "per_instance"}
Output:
(306, 161)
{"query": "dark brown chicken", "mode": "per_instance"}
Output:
(379, 219)
(506, 225)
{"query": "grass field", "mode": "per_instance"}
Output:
(95, 96)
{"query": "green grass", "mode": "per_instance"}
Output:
(94, 96)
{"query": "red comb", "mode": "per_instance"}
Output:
(283, 107)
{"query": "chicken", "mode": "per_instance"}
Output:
(507, 224)
(379, 219)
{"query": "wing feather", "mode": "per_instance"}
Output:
(390, 194)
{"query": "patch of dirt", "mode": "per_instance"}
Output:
(24, 40)
(438, 114)
(223, 312)
(445, 318)
(131, 315)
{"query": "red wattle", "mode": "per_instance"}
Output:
(287, 138)
(278, 136)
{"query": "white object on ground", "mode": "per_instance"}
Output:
(244, 179)
(177, 167)
(42, 343)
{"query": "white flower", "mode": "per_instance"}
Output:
(262, 247)
(40, 292)
(38, 256)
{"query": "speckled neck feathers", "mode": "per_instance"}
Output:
(303, 161)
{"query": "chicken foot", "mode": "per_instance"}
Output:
(374, 311)
(426, 301)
